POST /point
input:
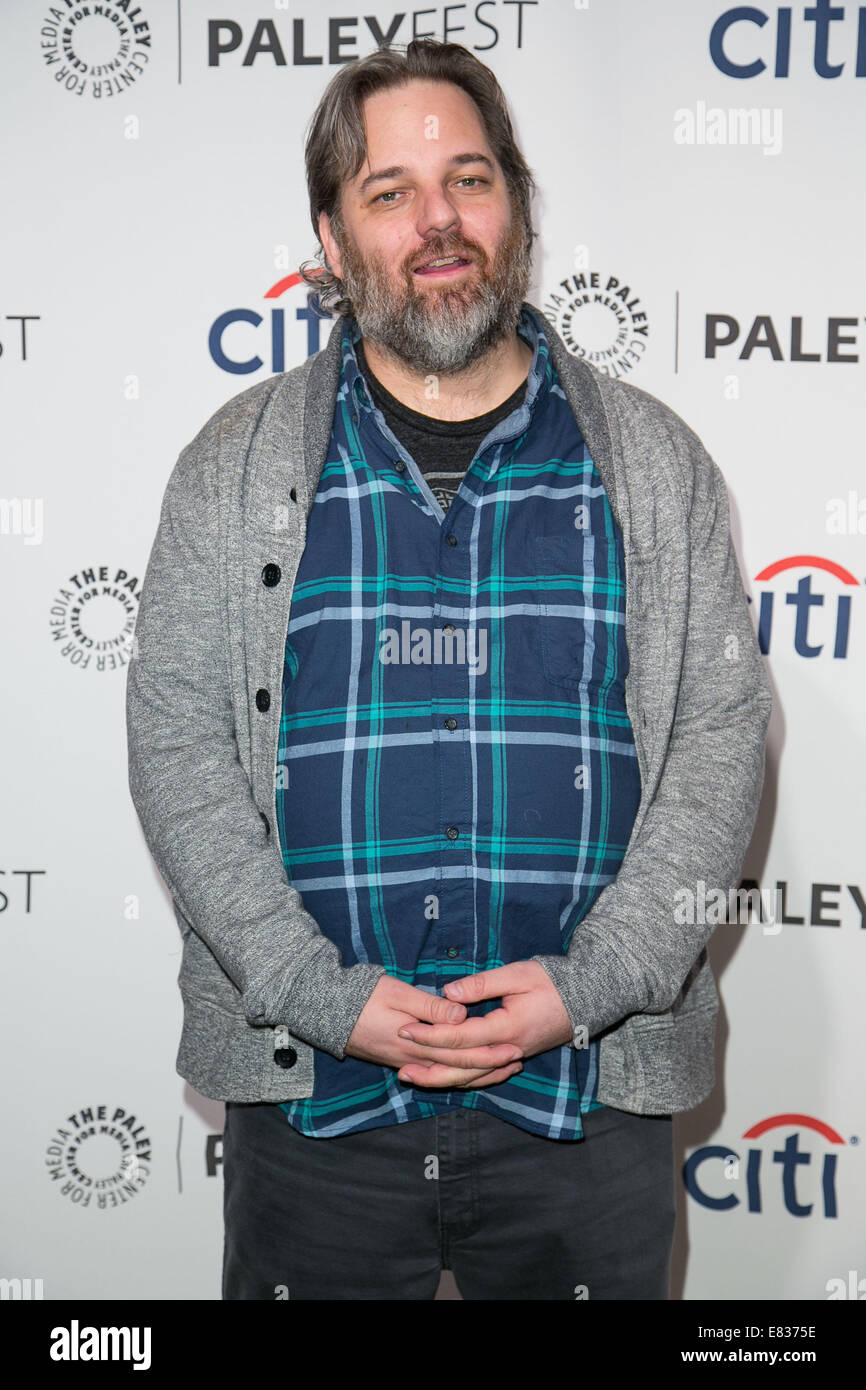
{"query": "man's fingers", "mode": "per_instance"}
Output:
(495, 1027)
(513, 978)
(471, 988)
(438, 1075)
(466, 1058)
(493, 1077)
(432, 1008)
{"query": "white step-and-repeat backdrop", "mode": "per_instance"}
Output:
(701, 212)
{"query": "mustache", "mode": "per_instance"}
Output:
(444, 246)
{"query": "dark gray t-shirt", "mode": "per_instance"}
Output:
(442, 449)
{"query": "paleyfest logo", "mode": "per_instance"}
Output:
(238, 337)
(599, 317)
(721, 1178)
(95, 49)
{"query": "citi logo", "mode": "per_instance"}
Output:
(735, 36)
(76, 1343)
(240, 331)
(708, 1170)
(818, 624)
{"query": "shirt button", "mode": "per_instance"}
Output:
(263, 700)
(271, 575)
(400, 465)
(452, 832)
(285, 1057)
(450, 723)
(451, 539)
(453, 951)
(449, 628)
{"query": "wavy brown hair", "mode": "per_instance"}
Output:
(336, 144)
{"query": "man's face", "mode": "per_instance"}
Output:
(430, 188)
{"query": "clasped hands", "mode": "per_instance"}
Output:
(430, 1040)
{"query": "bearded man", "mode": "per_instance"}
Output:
(433, 720)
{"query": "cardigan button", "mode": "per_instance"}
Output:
(263, 700)
(271, 575)
(285, 1057)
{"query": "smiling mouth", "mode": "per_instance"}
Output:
(440, 265)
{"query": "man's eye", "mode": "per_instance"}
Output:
(389, 198)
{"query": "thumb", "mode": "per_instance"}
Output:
(488, 984)
(432, 1008)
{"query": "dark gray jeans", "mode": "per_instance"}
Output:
(514, 1215)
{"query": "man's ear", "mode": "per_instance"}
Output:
(332, 251)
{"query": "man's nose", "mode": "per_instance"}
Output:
(436, 213)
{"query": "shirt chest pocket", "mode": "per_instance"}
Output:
(581, 607)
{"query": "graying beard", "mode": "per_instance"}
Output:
(439, 342)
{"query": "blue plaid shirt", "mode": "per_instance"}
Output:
(457, 778)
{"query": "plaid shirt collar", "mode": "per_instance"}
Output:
(353, 387)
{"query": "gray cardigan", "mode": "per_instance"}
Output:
(261, 985)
